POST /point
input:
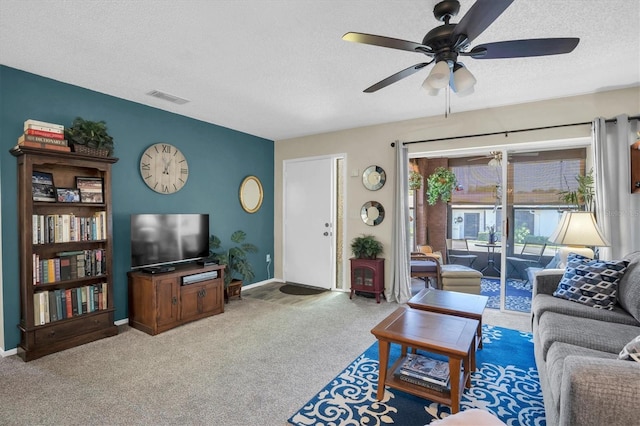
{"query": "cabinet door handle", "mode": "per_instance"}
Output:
(174, 300)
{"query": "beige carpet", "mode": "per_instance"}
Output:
(255, 364)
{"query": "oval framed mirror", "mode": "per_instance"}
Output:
(372, 213)
(373, 178)
(251, 194)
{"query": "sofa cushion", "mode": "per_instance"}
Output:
(584, 332)
(555, 363)
(546, 303)
(629, 286)
(592, 282)
(631, 350)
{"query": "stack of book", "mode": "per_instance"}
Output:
(40, 134)
(424, 371)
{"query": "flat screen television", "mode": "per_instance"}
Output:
(165, 239)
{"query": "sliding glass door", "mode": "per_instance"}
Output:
(509, 204)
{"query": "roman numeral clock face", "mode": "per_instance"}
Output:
(164, 168)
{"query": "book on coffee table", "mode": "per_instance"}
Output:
(426, 368)
(416, 381)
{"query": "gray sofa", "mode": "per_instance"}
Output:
(576, 351)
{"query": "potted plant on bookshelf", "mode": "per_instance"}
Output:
(440, 185)
(234, 259)
(90, 137)
(366, 247)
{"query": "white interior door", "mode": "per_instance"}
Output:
(308, 222)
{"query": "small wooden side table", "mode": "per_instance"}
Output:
(452, 303)
(451, 336)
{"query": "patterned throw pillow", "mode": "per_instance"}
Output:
(631, 350)
(592, 282)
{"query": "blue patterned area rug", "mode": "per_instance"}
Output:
(505, 383)
(518, 294)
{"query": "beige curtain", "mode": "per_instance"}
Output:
(617, 210)
(400, 290)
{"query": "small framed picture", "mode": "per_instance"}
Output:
(68, 195)
(90, 189)
(43, 189)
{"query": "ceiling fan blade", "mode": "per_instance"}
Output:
(524, 48)
(393, 43)
(479, 17)
(396, 77)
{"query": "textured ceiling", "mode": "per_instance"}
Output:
(279, 68)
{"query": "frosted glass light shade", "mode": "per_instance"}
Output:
(431, 91)
(463, 80)
(439, 75)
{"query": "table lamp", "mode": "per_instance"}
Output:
(576, 231)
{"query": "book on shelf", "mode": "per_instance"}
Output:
(44, 133)
(55, 305)
(37, 124)
(41, 139)
(426, 368)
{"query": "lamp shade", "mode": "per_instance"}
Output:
(578, 229)
(463, 80)
(439, 76)
(431, 91)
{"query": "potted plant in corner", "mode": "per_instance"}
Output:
(440, 185)
(89, 137)
(366, 247)
(234, 259)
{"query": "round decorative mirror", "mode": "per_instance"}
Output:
(374, 178)
(251, 194)
(372, 213)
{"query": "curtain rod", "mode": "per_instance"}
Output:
(506, 132)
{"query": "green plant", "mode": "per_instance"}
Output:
(366, 247)
(440, 185)
(92, 134)
(415, 180)
(234, 259)
(583, 196)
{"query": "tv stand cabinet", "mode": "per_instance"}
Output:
(159, 302)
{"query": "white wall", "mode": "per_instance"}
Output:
(371, 145)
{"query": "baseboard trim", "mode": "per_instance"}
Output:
(10, 352)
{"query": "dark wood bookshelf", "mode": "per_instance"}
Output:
(37, 340)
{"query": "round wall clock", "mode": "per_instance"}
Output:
(164, 168)
(373, 178)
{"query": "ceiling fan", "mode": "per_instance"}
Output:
(495, 157)
(444, 44)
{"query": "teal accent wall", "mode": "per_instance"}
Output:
(219, 159)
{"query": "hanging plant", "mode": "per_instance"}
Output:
(415, 180)
(440, 185)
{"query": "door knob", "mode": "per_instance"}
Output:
(326, 234)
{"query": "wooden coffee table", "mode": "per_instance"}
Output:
(451, 336)
(452, 303)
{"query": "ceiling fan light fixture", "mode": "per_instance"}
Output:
(431, 91)
(463, 80)
(439, 76)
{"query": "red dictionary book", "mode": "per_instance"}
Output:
(37, 132)
(48, 146)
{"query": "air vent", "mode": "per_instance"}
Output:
(167, 97)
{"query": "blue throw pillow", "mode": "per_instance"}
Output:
(592, 282)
